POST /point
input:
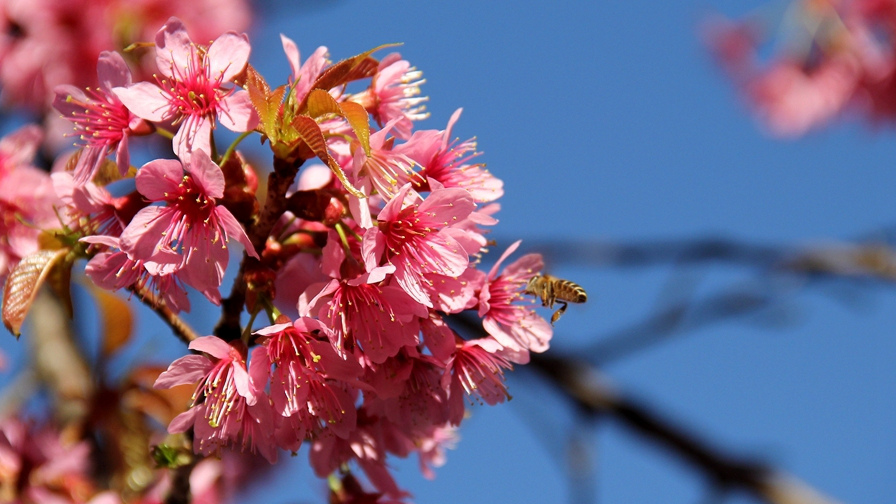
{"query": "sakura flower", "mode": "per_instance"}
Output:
(190, 224)
(113, 269)
(225, 407)
(477, 370)
(38, 465)
(515, 326)
(304, 74)
(412, 236)
(445, 161)
(19, 147)
(381, 319)
(384, 170)
(195, 88)
(393, 95)
(102, 121)
(307, 380)
(27, 198)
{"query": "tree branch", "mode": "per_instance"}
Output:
(229, 327)
(590, 392)
(180, 327)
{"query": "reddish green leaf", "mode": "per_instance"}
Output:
(348, 70)
(357, 117)
(321, 103)
(313, 137)
(23, 283)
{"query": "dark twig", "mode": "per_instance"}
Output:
(180, 327)
(229, 326)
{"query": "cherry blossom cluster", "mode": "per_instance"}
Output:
(838, 55)
(45, 43)
(366, 243)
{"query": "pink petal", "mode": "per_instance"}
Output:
(61, 102)
(112, 71)
(183, 421)
(494, 271)
(158, 180)
(237, 113)
(207, 174)
(448, 206)
(292, 54)
(174, 49)
(186, 370)
(140, 238)
(234, 229)
(145, 100)
(228, 55)
(212, 345)
(194, 134)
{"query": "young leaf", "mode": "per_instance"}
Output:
(311, 134)
(321, 102)
(347, 70)
(22, 285)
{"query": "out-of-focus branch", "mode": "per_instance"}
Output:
(180, 327)
(590, 391)
(58, 361)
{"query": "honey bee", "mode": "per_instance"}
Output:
(555, 290)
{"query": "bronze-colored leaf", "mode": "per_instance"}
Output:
(347, 70)
(321, 102)
(311, 134)
(23, 283)
(357, 117)
(118, 321)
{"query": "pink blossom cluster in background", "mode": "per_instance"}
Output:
(827, 57)
(45, 43)
(366, 242)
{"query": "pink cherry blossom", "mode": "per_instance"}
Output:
(113, 269)
(381, 319)
(102, 121)
(304, 74)
(446, 161)
(195, 89)
(27, 197)
(393, 95)
(384, 170)
(412, 236)
(225, 407)
(308, 380)
(190, 224)
(478, 369)
(514, 325)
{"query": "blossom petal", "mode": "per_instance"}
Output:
(159, 178)
(228, 55)
(186, 370)
(237, 113)
(145, 100)
(112, 71)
